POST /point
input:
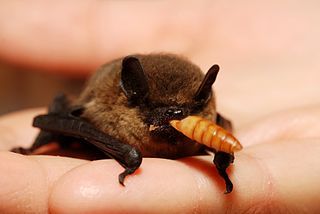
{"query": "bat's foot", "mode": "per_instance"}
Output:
(222, 161)
(21, 150)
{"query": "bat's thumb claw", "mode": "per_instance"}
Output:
(124, 174)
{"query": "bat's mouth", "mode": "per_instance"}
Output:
(159, 124)
(154, 127)
(164, 125)
(165, 132)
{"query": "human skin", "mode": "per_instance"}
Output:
(277, 171)
(268, 89)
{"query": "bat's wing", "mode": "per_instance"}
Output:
(60, 106)
(61, 124)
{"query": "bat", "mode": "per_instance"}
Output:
(126, 108)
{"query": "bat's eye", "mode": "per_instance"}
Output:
(174, 112)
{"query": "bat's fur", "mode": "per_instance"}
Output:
(172, 80)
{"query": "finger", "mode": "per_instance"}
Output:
(302, 174)
(165, 185)
(26, 181)
(292, 124)
(279, 177)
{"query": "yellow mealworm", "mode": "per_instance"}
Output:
(207, 133)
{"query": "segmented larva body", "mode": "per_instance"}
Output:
(208, 133)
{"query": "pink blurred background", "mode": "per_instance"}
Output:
(22, 88)
(269, 51)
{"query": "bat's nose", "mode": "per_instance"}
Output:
(174, 112)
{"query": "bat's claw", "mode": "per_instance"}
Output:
(131, 160)
(124, 174)
(229, 187)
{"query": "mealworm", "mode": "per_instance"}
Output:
(207, 133)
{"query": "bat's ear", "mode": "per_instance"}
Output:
(133, 80)
(204, 91)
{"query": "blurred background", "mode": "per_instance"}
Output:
(268, 51)
(22, 88)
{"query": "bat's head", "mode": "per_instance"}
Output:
(167, 87)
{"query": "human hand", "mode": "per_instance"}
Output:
(277, 170)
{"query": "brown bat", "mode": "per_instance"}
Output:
(126, 108)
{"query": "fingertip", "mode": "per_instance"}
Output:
(23, 185)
